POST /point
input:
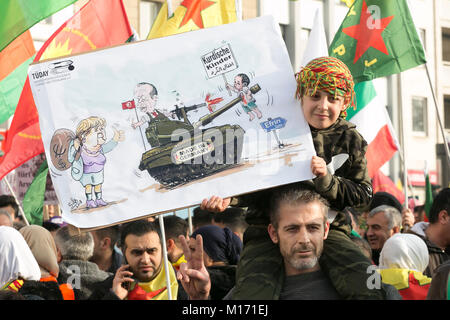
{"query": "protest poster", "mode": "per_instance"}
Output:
(21, 178)
(150, 127)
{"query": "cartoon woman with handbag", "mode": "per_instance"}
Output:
(87, 156)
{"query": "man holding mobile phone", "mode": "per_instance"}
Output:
(143, 277)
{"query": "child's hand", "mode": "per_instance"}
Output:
(319, 166)
(215, 204)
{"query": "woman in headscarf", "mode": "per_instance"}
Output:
(17, 263)
(43, 247)
(222, 249)
(403, 259)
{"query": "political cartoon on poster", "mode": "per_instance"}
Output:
(153, 126)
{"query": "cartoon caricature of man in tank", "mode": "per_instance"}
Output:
(146, 99)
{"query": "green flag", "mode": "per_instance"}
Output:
(11, 88)
(33, 201)
(378, 38)
(17, 16)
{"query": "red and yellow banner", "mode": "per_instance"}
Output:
(98, 24)
(193, 15)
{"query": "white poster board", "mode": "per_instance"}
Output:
(171, 134)
(21, 178)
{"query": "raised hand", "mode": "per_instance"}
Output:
(122, 278)
(119, 135)
(407, 218)
(215, 204)
(193, 275)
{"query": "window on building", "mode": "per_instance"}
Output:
(446, 44)
(419, 115)
(422, 35)
(447, 112)
(148, 11)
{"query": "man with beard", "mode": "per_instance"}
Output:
(143, 277)
(299, 226)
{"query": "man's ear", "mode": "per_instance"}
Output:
(106, 243)
(327, 229)
(272, 233)
(395, 230)
(443, 217)
(170, 244)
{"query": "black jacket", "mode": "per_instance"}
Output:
(436, 254)
(103, 291)
(223, 279)
(45, 290)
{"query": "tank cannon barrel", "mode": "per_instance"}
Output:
(210, 117)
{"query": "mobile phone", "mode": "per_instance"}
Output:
(126, 284)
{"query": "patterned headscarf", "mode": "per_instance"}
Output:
(329, 74)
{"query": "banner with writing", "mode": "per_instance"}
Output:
(155, 126)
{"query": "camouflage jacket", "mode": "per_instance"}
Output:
(349, 186)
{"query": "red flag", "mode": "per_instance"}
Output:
(128, 105)
(98, 24)
(380, 182)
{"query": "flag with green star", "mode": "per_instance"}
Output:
(377, 39)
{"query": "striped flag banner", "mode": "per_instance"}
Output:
(373, 122)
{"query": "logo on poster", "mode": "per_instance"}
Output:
(61, 66)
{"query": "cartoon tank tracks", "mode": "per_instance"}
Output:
(198, 153)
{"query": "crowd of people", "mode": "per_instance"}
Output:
(49, 262)
(328, 238)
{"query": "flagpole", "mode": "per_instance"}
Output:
(169, 9)
(17, 200)
(190, 221)
(166, 263)
(438, 115)
(140, 129)
(238, 4)
(402, 134)
(400, 153)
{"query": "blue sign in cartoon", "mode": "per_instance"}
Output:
(272, 125)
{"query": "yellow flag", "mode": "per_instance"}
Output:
(349, 3)
(193, 15)
(399, 185)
